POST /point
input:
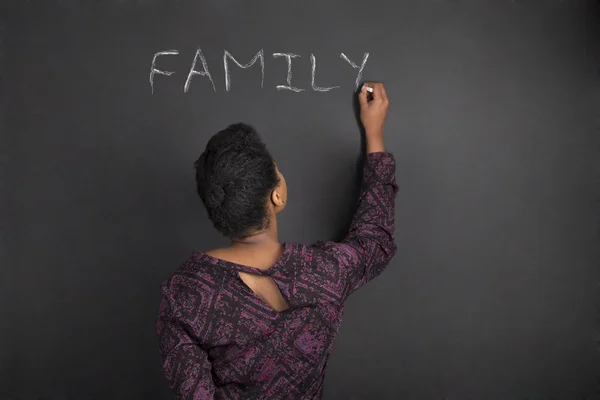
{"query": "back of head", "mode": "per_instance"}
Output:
(235, 175)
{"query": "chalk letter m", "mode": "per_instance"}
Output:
(258, 55)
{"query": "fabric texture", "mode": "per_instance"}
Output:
(219, 340)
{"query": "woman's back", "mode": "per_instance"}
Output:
(261, 325)
(246, 348)
(263, 286)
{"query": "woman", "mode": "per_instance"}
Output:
(257, 319)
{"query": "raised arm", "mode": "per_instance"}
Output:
(370, 243)
(371, 240)
(184, 362)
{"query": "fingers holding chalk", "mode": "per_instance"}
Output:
(365, 86)
(362, 96)
(372, 91)
(366, 93)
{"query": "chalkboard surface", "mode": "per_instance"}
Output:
(493, 122)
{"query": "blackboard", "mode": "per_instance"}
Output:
(493, 122)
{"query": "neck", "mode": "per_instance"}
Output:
(261, 240)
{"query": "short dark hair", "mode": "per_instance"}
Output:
(234, 176)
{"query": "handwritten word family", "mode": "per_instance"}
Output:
(200, 67)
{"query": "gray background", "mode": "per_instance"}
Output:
(494, 124)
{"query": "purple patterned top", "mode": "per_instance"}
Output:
(219, 340)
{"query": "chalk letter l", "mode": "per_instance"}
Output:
(313, 61)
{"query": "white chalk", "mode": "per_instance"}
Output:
(360, 70)
(369, 89)
(313, 62)
(260, 54)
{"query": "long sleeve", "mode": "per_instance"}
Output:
(370, 243)
(184, 362)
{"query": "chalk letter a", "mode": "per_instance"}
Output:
(194, 72)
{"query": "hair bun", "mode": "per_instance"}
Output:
(215, 195)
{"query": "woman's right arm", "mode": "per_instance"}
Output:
(184, 362)
(370, 243)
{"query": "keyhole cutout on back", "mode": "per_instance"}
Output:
(266, 289)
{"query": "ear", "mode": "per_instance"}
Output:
(276, 198)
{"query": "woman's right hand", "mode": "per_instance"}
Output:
(373, 113)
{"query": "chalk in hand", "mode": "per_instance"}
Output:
(369, 90)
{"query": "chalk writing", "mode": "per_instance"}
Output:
(289, 86)
(153, 69)
(313, 63)
(260, 55)
(360, 70)
(194, 72)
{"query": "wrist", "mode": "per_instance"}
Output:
(375, 145)
(374, 132)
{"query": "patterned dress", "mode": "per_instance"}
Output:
(219, 340)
